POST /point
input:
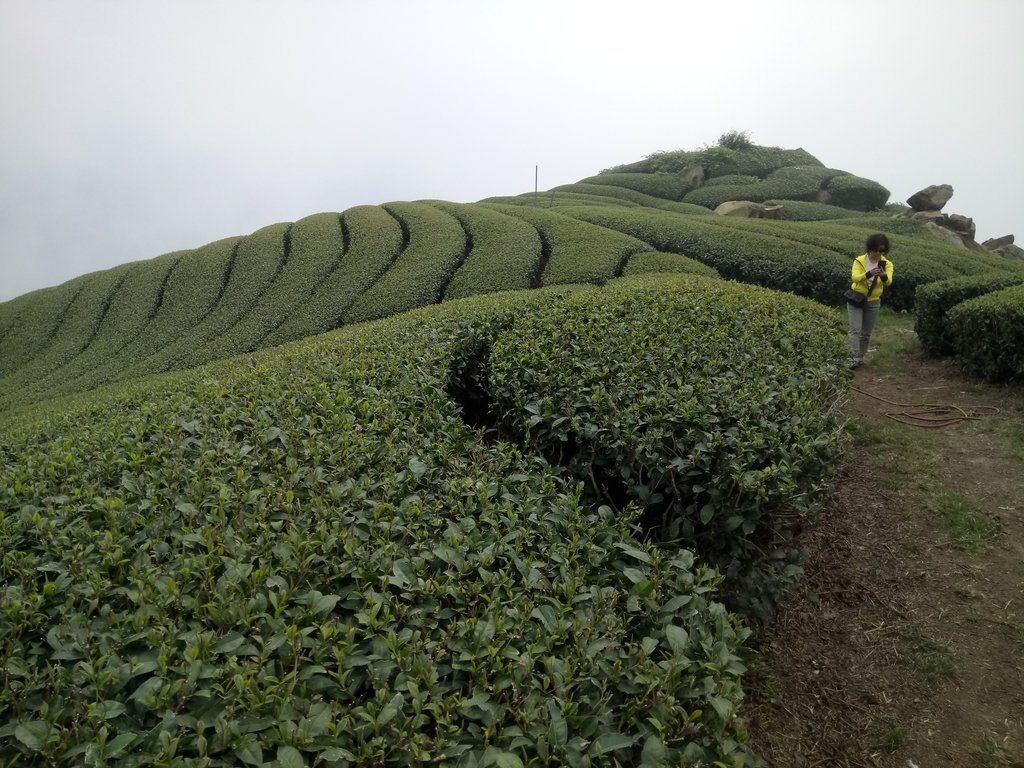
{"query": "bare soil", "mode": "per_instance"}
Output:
(903, 644)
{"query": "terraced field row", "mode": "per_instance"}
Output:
(284, 282)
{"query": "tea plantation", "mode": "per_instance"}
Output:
(469, 484)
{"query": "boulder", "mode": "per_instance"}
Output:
(961, 225)
(948, 235)
(995, 243)
(749, 209)
(1010, 251)
(692, 175)
(931, 198)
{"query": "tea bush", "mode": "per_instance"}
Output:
(800, 210)
(658, 261)
(310, 250)
(731, 179)
(717, 411)
(667, 186)
(436, 246)
(374, 239)
(987, 334)
(193, 288)
(128, 312)
(626, 197)
(933, 302)
(576, 251)
(308, 557)
(737, 254)
(859, 194)
(33, 319)
(505, 251)
(257, 264)
(75, 330)
(568, 194)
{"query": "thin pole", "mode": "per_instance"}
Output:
(535, 177)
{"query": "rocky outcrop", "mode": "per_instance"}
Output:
(931, 198)
(995, 243)
(952, 227)
(1004, 247)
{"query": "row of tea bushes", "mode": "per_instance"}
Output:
(76, 328)
(373, 239)
(716, 411)
(257, 265)
(126, 316)
(190, 290)
(987, 335)
(310, 249)
(630, 197)
(735, 252)
(30, 321)
(976, 318)
(659, 261)
(561, 196)
(308, 556)
(575, 250)
(504, 251)
(665, 186)
(436, 246)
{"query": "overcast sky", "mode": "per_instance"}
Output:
(131, 128)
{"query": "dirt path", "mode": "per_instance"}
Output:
(904, 642)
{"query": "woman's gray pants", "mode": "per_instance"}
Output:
(862, 321)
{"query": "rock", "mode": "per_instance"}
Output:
(948, 235)
(692, 175)
(1010, 251)
(995, 243)
(935, 217)
(931, 198)
(748, 209)
(961, 225)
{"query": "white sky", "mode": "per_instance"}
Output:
(131, 128)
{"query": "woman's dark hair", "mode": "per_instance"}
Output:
(877, 243)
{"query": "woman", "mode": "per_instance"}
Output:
(870, 276)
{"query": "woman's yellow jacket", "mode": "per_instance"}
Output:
(859, 278)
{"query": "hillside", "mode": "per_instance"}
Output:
(295, 279)
(501, 483)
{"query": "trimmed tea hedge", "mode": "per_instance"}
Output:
(308, 557)
(856, 193)
(933, 302)
(576, 251)
(629, 197)
(77, 328)
(34, 319)
(768, 261)
(127, 314)
(716, 411)
(666, 186)
(437, 245)
(257, 264)
(987, 334)
(312, 247)
(657, 261)
(800, 210)
(375, 239)
(193, 288)
(504, 255)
